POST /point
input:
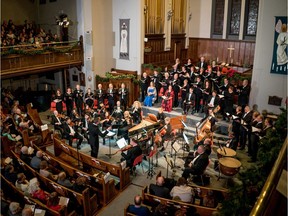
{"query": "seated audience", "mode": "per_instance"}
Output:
(36, 192)
(14, 209)
(158, 189)
(22, 183)
(25, 156)
(62, 180)
(198, 165)
(10, 174)
(44, 171)
(36, 160)
(182, 191)
(53, 201)
(80, 184)
(137, 209)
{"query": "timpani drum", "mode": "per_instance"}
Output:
(229, 166)
(225, 152)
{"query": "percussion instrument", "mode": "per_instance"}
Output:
(225, 152)
(229, 166)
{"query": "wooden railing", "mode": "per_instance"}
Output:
(26, 59)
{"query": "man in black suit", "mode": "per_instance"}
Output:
(145, 82)
(244, 92)
(189, 101)
(255, 138)
(85, 124)
(229, 101)
(247, 119)
(56, 121)
(70, 133)
(159, 189)
(202, 64)
(111, 97)
(198, 164)
(94, 133)
(176, 89)
(100, 94)
(156, 79)
(123, 96)
(131, 154)
(198, 93)
(212, 101)
(78, 97)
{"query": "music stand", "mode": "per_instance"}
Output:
(176, 148)
(109, 135)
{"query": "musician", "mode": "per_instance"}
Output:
(101, 111)
(118, 111)
(160, 115)
(228, 101)
(212, 101)
(232, 142)
(166, 131)
(184, 91)
(70, 133)
(198, 93)
(111, 97)
(156, 79)
(144, 85)
(151, 95)
(167, 101)
(100, 94)
(123, 95)
(94, 133)
(106, 123)
(126, 125)
(78, 98)
(247, 119)
(85, 125)
(189, 101)
(58, 98)
(68, 98)
(176, 89)
(57, 121)
(136, 112)
(89, 98)
(207, 142)
(202, 64)
(133, 152)
(244, 92)
(255, 138)
(198, 164)
(211, 117)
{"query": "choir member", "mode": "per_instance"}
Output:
(202, 64)
(207, 92)
(198, 93)
(184, 91)
(100, 94)
(166, 81)
(78, 98)
(188, 65)
(212, 101)
(236, 123)
(68, 98)
(217, 80)
(189, 101)
(176, 89)
(89, 98)
(144, 85)
(245, 122)
(58, 99)
(255, 137)
(123, 95)
(176, 66)
(151, 95)
(244, 92)
(167, 101)
(192, 74)
(156, 79)
(111, 97)
(229, 101)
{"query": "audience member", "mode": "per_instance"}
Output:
(10, 174)
(53, 201)
(158, 189)
(137, 209)
(27, 212)
(22, 183)
(182, 191)
(45, 172)
(24, 155)
(36, 160)
(14, 209)
(62, 180)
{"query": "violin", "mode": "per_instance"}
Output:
(123, 149)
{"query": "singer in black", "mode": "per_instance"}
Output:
(176, 89)
(68, 98)
(78, 97)
(123, 96)
(89, 98)
(94, 133)
(189, 101)
(111, 97)
(100, 94)
(144, 85)
(156, 79)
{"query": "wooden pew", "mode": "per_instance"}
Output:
(88, 161)
(153, 200)
(10, 188)
(106, 191)
(6, 146)
(126, 213)
(89, 204)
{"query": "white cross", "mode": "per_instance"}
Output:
(231, 49)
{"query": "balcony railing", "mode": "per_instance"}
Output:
(29, 59)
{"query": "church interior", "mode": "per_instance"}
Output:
(144, 107)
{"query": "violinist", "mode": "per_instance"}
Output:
(126, 125)
(70, 132)
(165, 132)
(133, 152)
(101, 111)
(58, 98)
(160, 115)
(89, 98)
(68, 98)
(100, 94)
(84, 125)
(111, 97)
(136, 112)
(106, 123)
(123, 95)
(78, 97)
(57, 121)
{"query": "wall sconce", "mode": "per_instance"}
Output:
(169, 14)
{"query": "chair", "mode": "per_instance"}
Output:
(151, 171)
(137, 161)
(201, 175)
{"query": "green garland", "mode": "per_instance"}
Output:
(109, 76)
(32, 52)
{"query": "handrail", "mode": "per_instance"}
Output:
(40, 44)
(271, 183)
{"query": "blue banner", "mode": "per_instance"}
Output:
(280, 58)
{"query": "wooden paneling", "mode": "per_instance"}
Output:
(155, 41)
(218, 48)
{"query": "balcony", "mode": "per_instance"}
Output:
(28, 59)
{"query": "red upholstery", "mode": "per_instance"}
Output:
(161, 92)
(53, 106)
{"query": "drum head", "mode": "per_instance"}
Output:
(227, 153)
(230, 162)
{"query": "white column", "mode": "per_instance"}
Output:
(225, 20)
(167, 26)
(188, 18)
(242, 20)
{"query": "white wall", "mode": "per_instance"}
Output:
(264, 83)
(200, 23)
(133, 10)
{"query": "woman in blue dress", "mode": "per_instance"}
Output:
(151, 95)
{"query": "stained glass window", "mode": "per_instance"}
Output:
(235, 14)
(252, 17)
(218, 17)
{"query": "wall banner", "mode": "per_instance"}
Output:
(124, 39)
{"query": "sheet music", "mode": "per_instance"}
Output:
(30, 150)
(254, 129)
(110, 134)
(107, 177)
(8, 160)
(63, 201)
(185, 138)
(39, 212)
(17, 138)
(121, 143)
(221, 96)
(176, 146)
(235, 117)
(44, 127)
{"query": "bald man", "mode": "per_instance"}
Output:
(137, 209)
(159, 189)
(27, 212)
